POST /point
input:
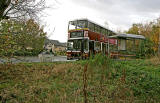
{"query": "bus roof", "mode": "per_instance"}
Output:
(93, 23)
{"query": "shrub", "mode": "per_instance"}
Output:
(145, 49)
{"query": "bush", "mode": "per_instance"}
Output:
(145, 49)
(33, 52)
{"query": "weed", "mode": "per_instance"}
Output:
(98, 80)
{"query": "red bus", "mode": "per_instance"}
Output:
(86, 38)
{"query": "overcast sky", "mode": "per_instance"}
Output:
(119, 14)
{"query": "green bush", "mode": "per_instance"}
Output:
(145, 49)
(33, 52)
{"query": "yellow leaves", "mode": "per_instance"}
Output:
(134, 29)
(155, 39)
(150, 30)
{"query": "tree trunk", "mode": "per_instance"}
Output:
(3, 6)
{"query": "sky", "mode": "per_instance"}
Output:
(118, 14)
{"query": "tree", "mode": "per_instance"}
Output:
(8, 45)
(21, 8)
(21, 36)
(33, 32)
(135, 29)
(151, 31)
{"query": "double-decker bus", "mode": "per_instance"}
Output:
(86, 38)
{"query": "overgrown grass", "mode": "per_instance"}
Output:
(99, 80)
(155, 60)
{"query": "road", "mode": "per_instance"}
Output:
(34, 59)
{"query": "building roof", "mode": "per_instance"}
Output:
(127, 36)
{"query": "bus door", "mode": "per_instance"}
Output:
(91, 47)
(103, 48)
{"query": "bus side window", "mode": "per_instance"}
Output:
(106, 32)
(103, 31)
(95, 28)
(98, 29)
(91, 26)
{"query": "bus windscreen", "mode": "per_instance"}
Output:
(77, 45)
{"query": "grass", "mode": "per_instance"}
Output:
(155, 60)
(105, 81)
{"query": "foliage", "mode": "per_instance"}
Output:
(145, 49)
(106, 81)
(32, 52)
(8, 45)
(100, 60)
(134, 29)
(21, 36)
(142, 78)
(151, 31)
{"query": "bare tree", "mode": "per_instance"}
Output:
(21, 8)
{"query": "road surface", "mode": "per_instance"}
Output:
(34, 59)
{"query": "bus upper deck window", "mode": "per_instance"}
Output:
(91, 26)
(72, 25)
(81, 24)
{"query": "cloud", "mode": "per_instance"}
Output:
(145, 6)
(133, 5)
(120, 14)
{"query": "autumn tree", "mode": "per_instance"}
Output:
(151, 30)
(21, 36)
(135, 29)
(31, 35)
